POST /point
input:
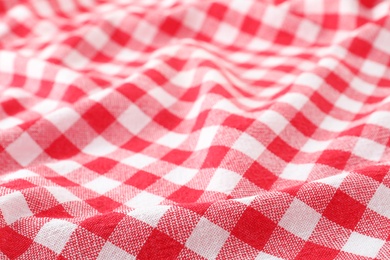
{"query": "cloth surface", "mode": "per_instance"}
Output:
(194, 129)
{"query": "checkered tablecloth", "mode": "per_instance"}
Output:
(187, 129)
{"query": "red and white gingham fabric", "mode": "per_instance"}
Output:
(186, 129)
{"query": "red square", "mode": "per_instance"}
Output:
(330, 21)
(304, 125)
(238, 122)
(167, 119)
(254, 228)
(101, 165)
(103, 204)
(120, 37)
(344, 210)
(62, 148)
(72, 94)
(170, 26)
(131, 91)
(335, 158)
(160, 246)
(376, 172)
(12, 107)
(217, 10)
(13, 244)
(360, 47)
(284, 38)
(176, 156)
(136, 144)
(320, 252)
(260, 176)
(142, 180)
(18, 184)
(250, 25)
(282, 149)
(54, 212)
(336, 82)
(98, 118)
(185, 195)
(215, 156)
(62, 181)
(321, 102)
(103, 225)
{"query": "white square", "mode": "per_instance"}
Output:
(99, 147)
(162, 97)
(184, 79)
(382, 41)
(21, 174)
(312, 146)
(102, 184)
(241, 6)
(134, 119)
(13, 206)
(127, 55)
(206, 137)
(64, 167)
(138, 161)
(180, 175)
(226, 33)
(110, 251)
(207, 239)
(7, 62)
(224, 181)
(297, 172)
(334, 180)
(144, 199)
(373, 68)
(246, 200)
(62, 195)
(368, 149)
(45, 107)
(295, 100)
(310, 80)
(363, 245)
(65, 76)
(194, 18)
(55, 234)
(249, 146)
(380, 201)
(96, 37)
(9, 122)
(265, 256)
(24, 150)
(63, 118)
(348, 104)
(99, 94)
(75, 60)
(362, 86)
(110, 69)
(172, 139)
(380, 118)
(349, 7)
(334, 125)
(35, 69)
(144, 32)
(300, 219)
(150, 215)
(275, 121)
(274, 16)
(308, 31)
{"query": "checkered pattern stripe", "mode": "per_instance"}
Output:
(184, 129)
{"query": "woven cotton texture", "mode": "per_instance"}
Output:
(187, 129)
